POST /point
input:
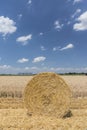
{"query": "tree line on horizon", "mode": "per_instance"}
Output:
(31, 74)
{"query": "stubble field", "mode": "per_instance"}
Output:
(13, 114)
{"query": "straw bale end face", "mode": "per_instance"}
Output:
(47, 94)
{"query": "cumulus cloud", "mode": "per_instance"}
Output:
(5, 66)
(67, 69)
(41, 33)
(56, 48)
(29, 2)
(55, 69)
(7, 69)
(7, 26)
(81, 24)
(76, 13)
(24, 39)
(43, 48)
(23, 60)
(31, 68)
(77, 1)
(20, 16)
(69, 22)
(39, 59)
(57, 25)
(69, 46)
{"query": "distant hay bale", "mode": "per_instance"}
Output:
(47, 94)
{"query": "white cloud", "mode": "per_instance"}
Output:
(57, 25)
(7, 69)
(76, 13)
(5, 66)
(43, 48)
(56, 48)
(55, 69)
(24, 39)
(39, 59)
(81, 24)
(29, 2)
(69, 22)
(40, 33)
(77, 1)
(69, 46)
(26, 68)
(31, 68)
(7, 26)
(23, 60)
(20, 16)
(67, 69)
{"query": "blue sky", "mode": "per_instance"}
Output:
(43, 35)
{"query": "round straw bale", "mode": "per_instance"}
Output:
(47, 94)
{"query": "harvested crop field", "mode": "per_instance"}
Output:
(14, 85)
(16, 119)
(13, 114)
